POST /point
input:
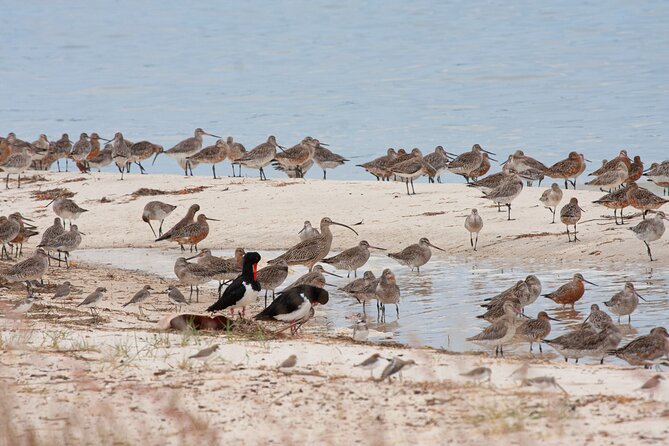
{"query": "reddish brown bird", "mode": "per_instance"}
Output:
(569, 293)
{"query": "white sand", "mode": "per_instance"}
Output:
(66, 379)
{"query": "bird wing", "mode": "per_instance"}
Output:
(286, 302)
(301, 252)
(231, 295)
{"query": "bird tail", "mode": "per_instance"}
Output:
(217, 306)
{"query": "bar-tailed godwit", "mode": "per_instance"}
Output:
(624, 302)
(570, 215)
(535, 330)
(260, 156)
(156, 211)
(416, 255)
(650, 230)
(500, 332)
(569, 293)
(353, 258)
(645, 350)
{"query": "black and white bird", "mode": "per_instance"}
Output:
(294, 306)
(243, 290)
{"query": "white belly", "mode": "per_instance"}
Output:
(301, 312)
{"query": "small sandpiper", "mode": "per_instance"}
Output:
(479, 374)
(93, 300)
(140, 297)
(396, 365)
(474, 224)
(205, 352)
(371, 363)
(176, 298)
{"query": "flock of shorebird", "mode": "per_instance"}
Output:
(294, 304)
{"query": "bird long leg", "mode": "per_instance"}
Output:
(58, 163)
(213, 169)
(566, 187)
(142, 170)
(190, 297)
(265, 298)
(412, 188)
(553, 212)
(649, 253)
(476, 243)
(575, 238)
(568, 236)
(508, 205)
(7, 182)
(499, 207)
(197, 293)
(430, 179)
(154, 232)
(67, 263)
(190, 167)
(471, 239)
(406, 182)
(19, 186)
(160, 229)
(397, 310)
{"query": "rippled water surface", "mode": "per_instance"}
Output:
(439, 306)
(544, 76)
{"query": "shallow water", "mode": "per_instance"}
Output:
(363, 76)
(439, 306)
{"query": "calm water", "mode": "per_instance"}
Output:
(363, 76)
(439, 306)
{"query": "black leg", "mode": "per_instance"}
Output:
(649, 253)
(508, 205)
(213, 169)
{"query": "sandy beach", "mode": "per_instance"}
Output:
(121, 379)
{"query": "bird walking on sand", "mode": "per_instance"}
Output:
(353, 258)
(468, 162)
(645, 350)
(205, 352)
(187, 219)
(615, 200)
(569, 293)
(308, 231)
(141, 151)
(474, 224)
(235, 151)
(570, 214)
(140, 297)
(371, 363)
(66, 209)
(413, 168)
(396, 365)
(643, 199)
(658, 173)
(650, 230)
(93, 300)
(295, 306)
(378, 166)
(543, 383)
(551, 198)
(439, 160)
(571, 167)
(311, 251)
(506, 192)
(120, 153)
(326, 159)
(210, 155)
(535, 330)
(652, 385)
(32, 268)
(63, 290)
(416, 255)
(479, 374)
(500, 332)
(611, 179)
(176, 298)
(156, 211)
(288, 363)
(243, 290)
(64, 243)
(191, 234)
(182, 150)
(624, 302)
(260, 156)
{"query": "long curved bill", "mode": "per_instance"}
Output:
(154, 158)
(346, 226)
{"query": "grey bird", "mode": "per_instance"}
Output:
(205, 352)
(63, 290)
(288, 362)
(371, 363)
(176, 297)
(94, 299)
(395, 366)
(542, 383)
(140, 297)
(479, 374)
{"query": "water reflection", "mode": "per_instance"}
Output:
(439, 306)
